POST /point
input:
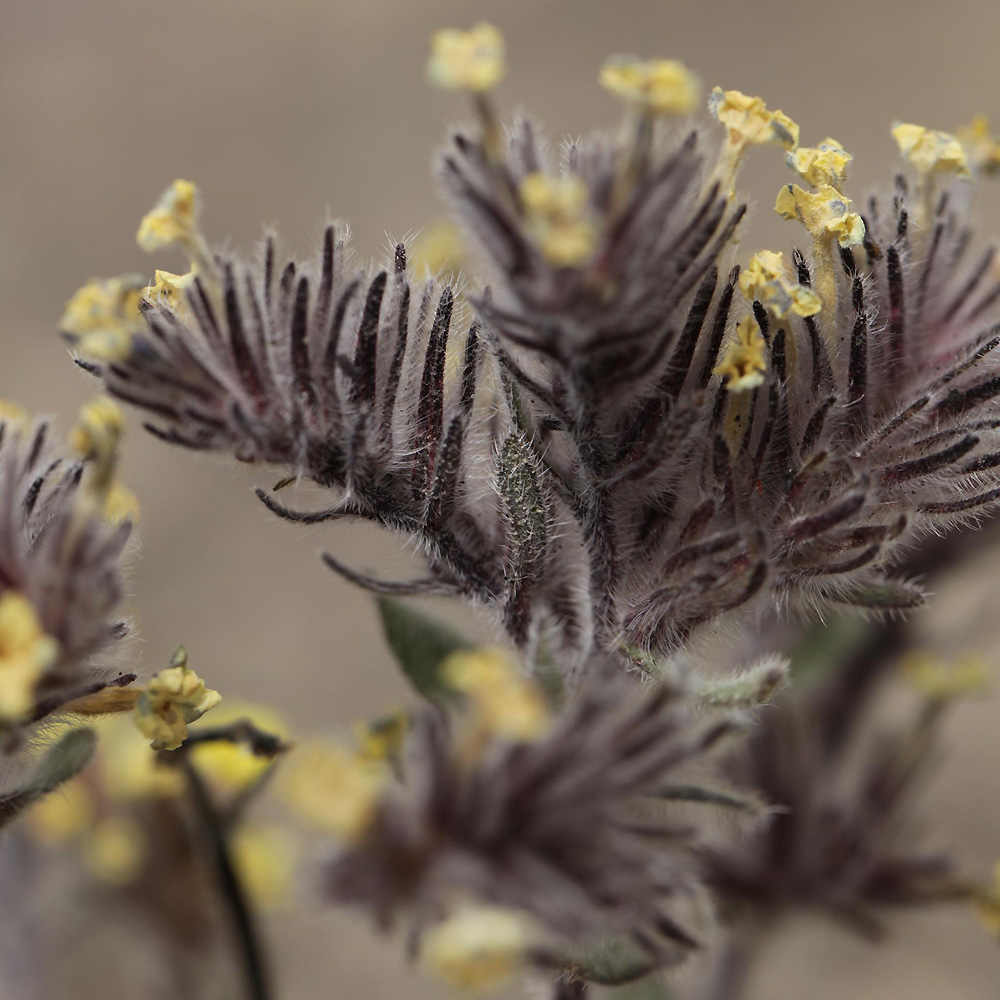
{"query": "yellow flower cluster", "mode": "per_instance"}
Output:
(97, 438)
(821, 166)
(102, 317)
(26, 652)
(477, 948)
(658, 86)
(555, 209)
(504, 702)
(467, 60)
(171, 700)
(765, 279)
(744, 364)
(748, 121)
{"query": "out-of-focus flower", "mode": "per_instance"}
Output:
(467, 60)
(555, 210)
(334, 790)
(766, 280)
(171, 700)
(232, 765)
(63, 816)
(981, 146)
(264, 856)
(988, 905)
(103, 316)
(930, 151)
(174, 220)
(115, 850)
(477, 948)
(660, 86)
(26, 653)
(939, 680)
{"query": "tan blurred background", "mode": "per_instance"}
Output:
(287, 112)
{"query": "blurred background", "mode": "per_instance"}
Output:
(289, 112)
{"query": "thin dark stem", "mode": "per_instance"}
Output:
(233, 893)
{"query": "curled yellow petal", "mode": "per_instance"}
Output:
(661, 86)
(823, 212)
(171, 700)
(824, 165)
(477, 948)
(467, 60)
(744, 363)
(930, 151)
(749, 122)
(765, 279)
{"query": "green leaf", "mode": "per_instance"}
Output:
(64, 760)
(419, 644)
(614, 962)
(887, 595)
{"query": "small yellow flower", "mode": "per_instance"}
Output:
(477, 948)
(63, 816)
(234, 767)
(748, 121)
(824, 165)
(505, 703)
(171, 700)
(334, 790)
(174, 219)
(264, 857)
(26, 652)
(116, 850)
(121, 504)
(744, 364)
(103, 316)
(765, 280)
(555, 210)
(438, 249)
(930, 151)
(661, 86)
(941, 681)
(467, 60)
(981, 146)
(823, 212)
(988, 905)
(97, 437)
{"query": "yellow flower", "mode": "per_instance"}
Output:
(505, 703)
(234, 766)
(662, 86)
(264, 857)
(334, 790)
(476, 948)
(982, 148)
(62, 816)
(823, 212)
(467, 60)
(97, 437)
(744, 364)
(174, 219)
(26, 652)
(824, 165)
(173, 698)
(941, 681)
(765, 280)
(555, 210)
(748, 121)
(930, 151)
(116, 850)
(103, 316)
(121, 504)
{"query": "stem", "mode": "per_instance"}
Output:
(731, 973)
(233, 893)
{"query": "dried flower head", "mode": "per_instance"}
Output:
(562, 825)
(60, 563)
